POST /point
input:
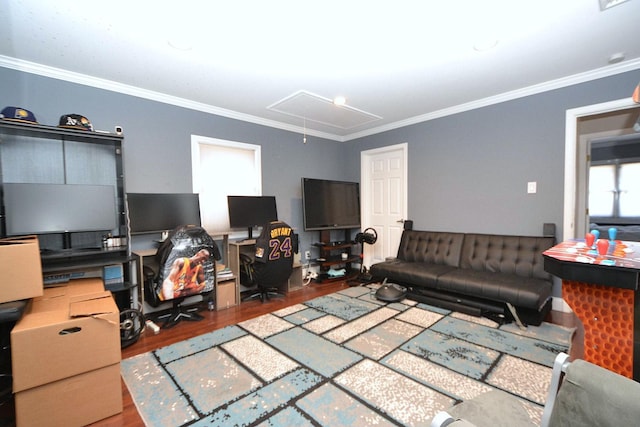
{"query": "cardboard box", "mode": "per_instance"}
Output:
(74, 287)
(226, 294)
(75, 401)
(20, 268)
(68, 331)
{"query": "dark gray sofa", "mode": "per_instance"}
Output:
(482, 274)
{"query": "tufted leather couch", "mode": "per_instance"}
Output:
(480, 274)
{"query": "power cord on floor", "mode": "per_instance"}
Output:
(309, 275)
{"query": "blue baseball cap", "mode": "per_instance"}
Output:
(18, 114)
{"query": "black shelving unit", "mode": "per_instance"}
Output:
(330, 257)
(64, 153)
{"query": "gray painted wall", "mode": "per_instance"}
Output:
(157, 153)
(467, 172)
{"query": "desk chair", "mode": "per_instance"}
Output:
(273, 262)
(187, 266)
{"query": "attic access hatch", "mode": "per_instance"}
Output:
(314, 108)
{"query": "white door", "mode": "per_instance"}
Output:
(384, 199)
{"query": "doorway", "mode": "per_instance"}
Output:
(581, 125)
(384, 198)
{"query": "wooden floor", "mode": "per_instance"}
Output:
(247, 310)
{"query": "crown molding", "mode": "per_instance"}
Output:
(83, 79)
(86, 80)
(599, 73)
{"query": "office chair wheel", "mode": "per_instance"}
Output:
(131, 325)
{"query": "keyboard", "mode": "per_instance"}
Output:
(58, 278)
(54, 279)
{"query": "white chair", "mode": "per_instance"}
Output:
(581, 394)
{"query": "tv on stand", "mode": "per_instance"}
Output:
(330, 205)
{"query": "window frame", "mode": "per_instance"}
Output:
(615, 218)
(253, 188)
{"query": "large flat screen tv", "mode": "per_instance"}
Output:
(33, 208)
(251, 211)
(158, 212)
(329, 205)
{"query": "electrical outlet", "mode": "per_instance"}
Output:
(307, 254)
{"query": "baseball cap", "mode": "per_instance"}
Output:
(75, 121)
(18, 114)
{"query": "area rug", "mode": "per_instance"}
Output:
(345, 359)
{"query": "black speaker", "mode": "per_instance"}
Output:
(408, 224)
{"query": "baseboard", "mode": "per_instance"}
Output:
(558, 304)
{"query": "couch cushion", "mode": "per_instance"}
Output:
(518, 255)
(520, 291)
(410, 273)
(430, 247)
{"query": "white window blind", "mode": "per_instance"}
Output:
(602, 188)
(221, 168)
(629, 190)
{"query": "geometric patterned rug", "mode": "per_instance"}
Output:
(344, 359)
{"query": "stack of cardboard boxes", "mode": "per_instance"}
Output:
(65, 349)
(20, 269)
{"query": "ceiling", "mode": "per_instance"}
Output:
(280, 63)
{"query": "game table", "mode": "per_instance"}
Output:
(601, 287)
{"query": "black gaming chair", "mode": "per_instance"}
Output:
(187, 260)
(273, 262)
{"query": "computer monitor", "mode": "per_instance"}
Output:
(159, 212)
(251, 211)
(34, 208)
